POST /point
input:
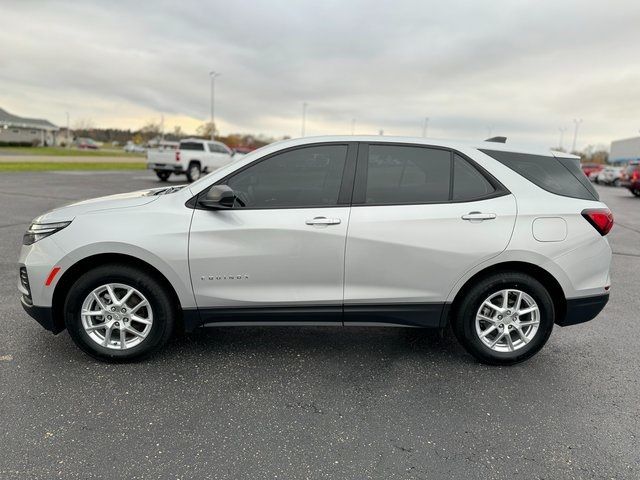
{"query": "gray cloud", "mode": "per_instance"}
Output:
(523, 68)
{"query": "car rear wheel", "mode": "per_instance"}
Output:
(505, 318)
(193, 172)
(119, 313)
(163, 175)
(636, 192)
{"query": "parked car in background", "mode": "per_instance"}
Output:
(239, 152)
(86, 143)
(131, 147)
(193, 157)
(610, 176)
(631, 178)
(589, 168)
(499, 242)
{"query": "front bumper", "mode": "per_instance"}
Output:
(165, 167)
(42, 315)
(580, 310)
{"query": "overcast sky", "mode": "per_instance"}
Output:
(513, 67)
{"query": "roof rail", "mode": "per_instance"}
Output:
(497, 139)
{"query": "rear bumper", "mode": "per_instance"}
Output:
(580, 310)
(165, 167)
(42, 315)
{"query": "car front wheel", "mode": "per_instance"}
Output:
(118, 313)
(505, 318)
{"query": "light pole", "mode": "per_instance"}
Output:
(562, 130)
(353, 126)
(425, 126)
(213, 76)
(304, 118)
(577, 122)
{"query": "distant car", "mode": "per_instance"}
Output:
(610, 176)
(240, 152)
(87, 144)
(131, 147)
(589, 168)
(193, 157)
(631, 178)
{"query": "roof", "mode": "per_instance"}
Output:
(455, 144)
(11, 120)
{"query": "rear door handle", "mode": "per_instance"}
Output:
(322, 221)
(478, 216)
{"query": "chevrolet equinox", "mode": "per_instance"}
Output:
(499, 242)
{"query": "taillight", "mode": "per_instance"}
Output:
(600, 218)
(177, 155)
(635, 176)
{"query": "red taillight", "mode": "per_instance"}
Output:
(600, 218)
(177, 155)
(635, 176)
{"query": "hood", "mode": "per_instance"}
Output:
(121, 200)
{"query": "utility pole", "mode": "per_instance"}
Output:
(304, 118)
(353, 126)
(562, 130)
(213, 76)
(577, 122)
(425, 126)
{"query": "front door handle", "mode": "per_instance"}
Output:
(478, 216)
(322, 221)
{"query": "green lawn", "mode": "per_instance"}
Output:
(67, 152)
(48, 166)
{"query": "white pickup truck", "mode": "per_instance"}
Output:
(193, 157)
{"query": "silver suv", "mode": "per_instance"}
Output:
(498, 242)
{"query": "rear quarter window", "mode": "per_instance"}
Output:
(562, 176)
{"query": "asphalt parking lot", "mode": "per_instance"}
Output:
(314, 402)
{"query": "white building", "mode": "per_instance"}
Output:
(623, 151)
(27, 131)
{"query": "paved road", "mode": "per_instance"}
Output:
(315, 402)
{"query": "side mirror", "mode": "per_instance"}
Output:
(218, 197)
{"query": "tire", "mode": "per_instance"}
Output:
(616, 182)
(163, 175)
(636, 192)
(466, 328)
(161, 312)
(193, 172)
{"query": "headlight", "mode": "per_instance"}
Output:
(38, 231)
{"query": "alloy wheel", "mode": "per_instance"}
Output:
(116, 316)
(507, 320)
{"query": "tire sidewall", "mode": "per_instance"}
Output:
(162, 309)
(465, 322)
(190, 177)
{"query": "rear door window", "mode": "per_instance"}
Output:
(406, 174)
(562, 176)
(196, 146)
